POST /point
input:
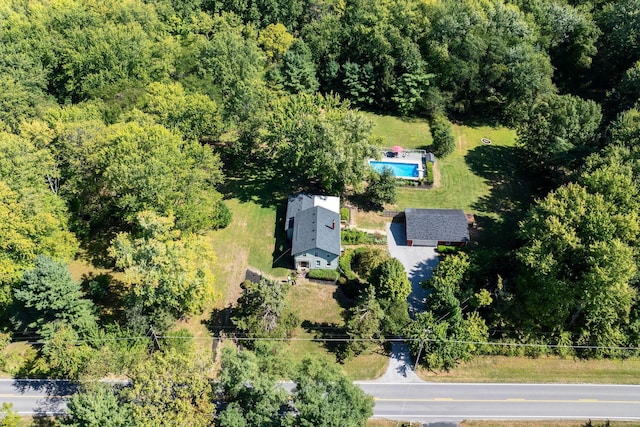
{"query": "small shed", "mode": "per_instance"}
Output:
(430, 157)
(433, 227)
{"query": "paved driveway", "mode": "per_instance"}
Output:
(419, 261)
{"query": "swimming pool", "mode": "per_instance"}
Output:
(401, 170)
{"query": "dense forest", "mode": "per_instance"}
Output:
(125, 123)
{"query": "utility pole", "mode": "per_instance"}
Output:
(418, 356)
(421, 347)
(154, 336)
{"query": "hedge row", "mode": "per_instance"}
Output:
(331, 275)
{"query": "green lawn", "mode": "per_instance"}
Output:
(463, 177)
(248, 241)
(459, 186)
(319, 308)
(407, 133)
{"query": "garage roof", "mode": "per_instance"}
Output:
(447, 225)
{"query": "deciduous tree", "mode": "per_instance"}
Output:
(558, 130)
(196, 116)
(98, 405)
(262, 310)
(324, 397)
(252, 394)
(166, 270)
(390, 281)
(316, 139)
(169, 389)
(381, 188)
(578, 265)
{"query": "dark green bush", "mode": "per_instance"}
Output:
(331, 275)
(345, 265)
(442, 133)
(428, 173)
(222, 216)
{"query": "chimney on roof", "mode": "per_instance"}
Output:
(333, 224)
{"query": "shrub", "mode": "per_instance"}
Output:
(331, 275)
(222, 216)
(345, 265)
(443, 249)
(428, 173)
(345, 214)
(442, 134)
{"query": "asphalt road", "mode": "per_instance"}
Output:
(455, 402)
(34, 397)
(426, 402)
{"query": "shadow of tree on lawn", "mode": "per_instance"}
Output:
(513, 189)
(330, 334)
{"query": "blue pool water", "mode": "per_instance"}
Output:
(401, 170)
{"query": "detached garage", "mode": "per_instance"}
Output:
(433, 227)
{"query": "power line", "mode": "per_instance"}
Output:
(155, 337)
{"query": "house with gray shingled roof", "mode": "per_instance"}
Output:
(312, 223)
(433, 227)
(300, 202)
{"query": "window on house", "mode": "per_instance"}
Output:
(318, 263)
(316, 253)
(328, 255)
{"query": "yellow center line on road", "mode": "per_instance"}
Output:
(514, 400)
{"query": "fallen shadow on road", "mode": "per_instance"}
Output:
(56, 393)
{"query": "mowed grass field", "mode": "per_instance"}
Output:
(457, 185)
(248, 241)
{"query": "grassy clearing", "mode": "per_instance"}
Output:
(460, 186)
(405, 132)
(249, 240)
(547, 423)
(501, 369)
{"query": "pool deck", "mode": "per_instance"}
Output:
(414, 157)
